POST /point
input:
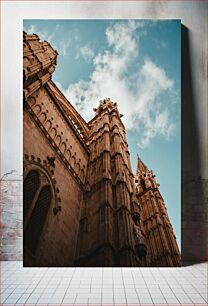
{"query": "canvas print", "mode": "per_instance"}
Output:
(101, 128)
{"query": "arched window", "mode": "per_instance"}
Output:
(63, 147)
(143, 184)
(42, 117)
(77, 168)
(58, 140)
(37, 219)
(37, 109)
(31, 185)
(37, 197)
(31, 101)
(68, 154)
(53, 133)
(73, 161)
(48, 125)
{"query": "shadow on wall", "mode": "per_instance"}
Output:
(194, 228)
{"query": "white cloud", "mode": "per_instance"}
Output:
(139, 100)
(154, 74)
(86, 52)
(63, 47)
(43, 34)
(31, 29)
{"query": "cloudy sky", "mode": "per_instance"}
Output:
(137, 64)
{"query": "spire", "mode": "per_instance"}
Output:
(141, 167)
(106, 103)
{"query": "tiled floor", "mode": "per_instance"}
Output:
(106, 286)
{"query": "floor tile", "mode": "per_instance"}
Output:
(81, 301)
(94, 301)
(85, 286)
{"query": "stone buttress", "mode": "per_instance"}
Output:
(110, 234)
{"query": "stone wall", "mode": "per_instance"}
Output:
(59, 235)
(11, 218)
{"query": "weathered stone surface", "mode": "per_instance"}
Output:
(194, 219)
(162, 245)
(11, 219)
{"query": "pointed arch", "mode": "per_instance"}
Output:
(43, 204)
(48, 125)
(37, 109)
(73, 161)
(30, 186)
(68, 155)
(42, 117)
(77, 168)
(58, 140)
(53, 133)
(31, 101)
(37, 219)
(63, 147)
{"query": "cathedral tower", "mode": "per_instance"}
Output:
(110, 232)
(161, 241)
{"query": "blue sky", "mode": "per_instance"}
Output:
(138, 64)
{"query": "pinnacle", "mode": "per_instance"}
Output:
(141, 167)
(105, 103)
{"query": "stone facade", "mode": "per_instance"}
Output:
(161, 241)
(83, 206)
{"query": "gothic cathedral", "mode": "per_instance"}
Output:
(83, 206)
